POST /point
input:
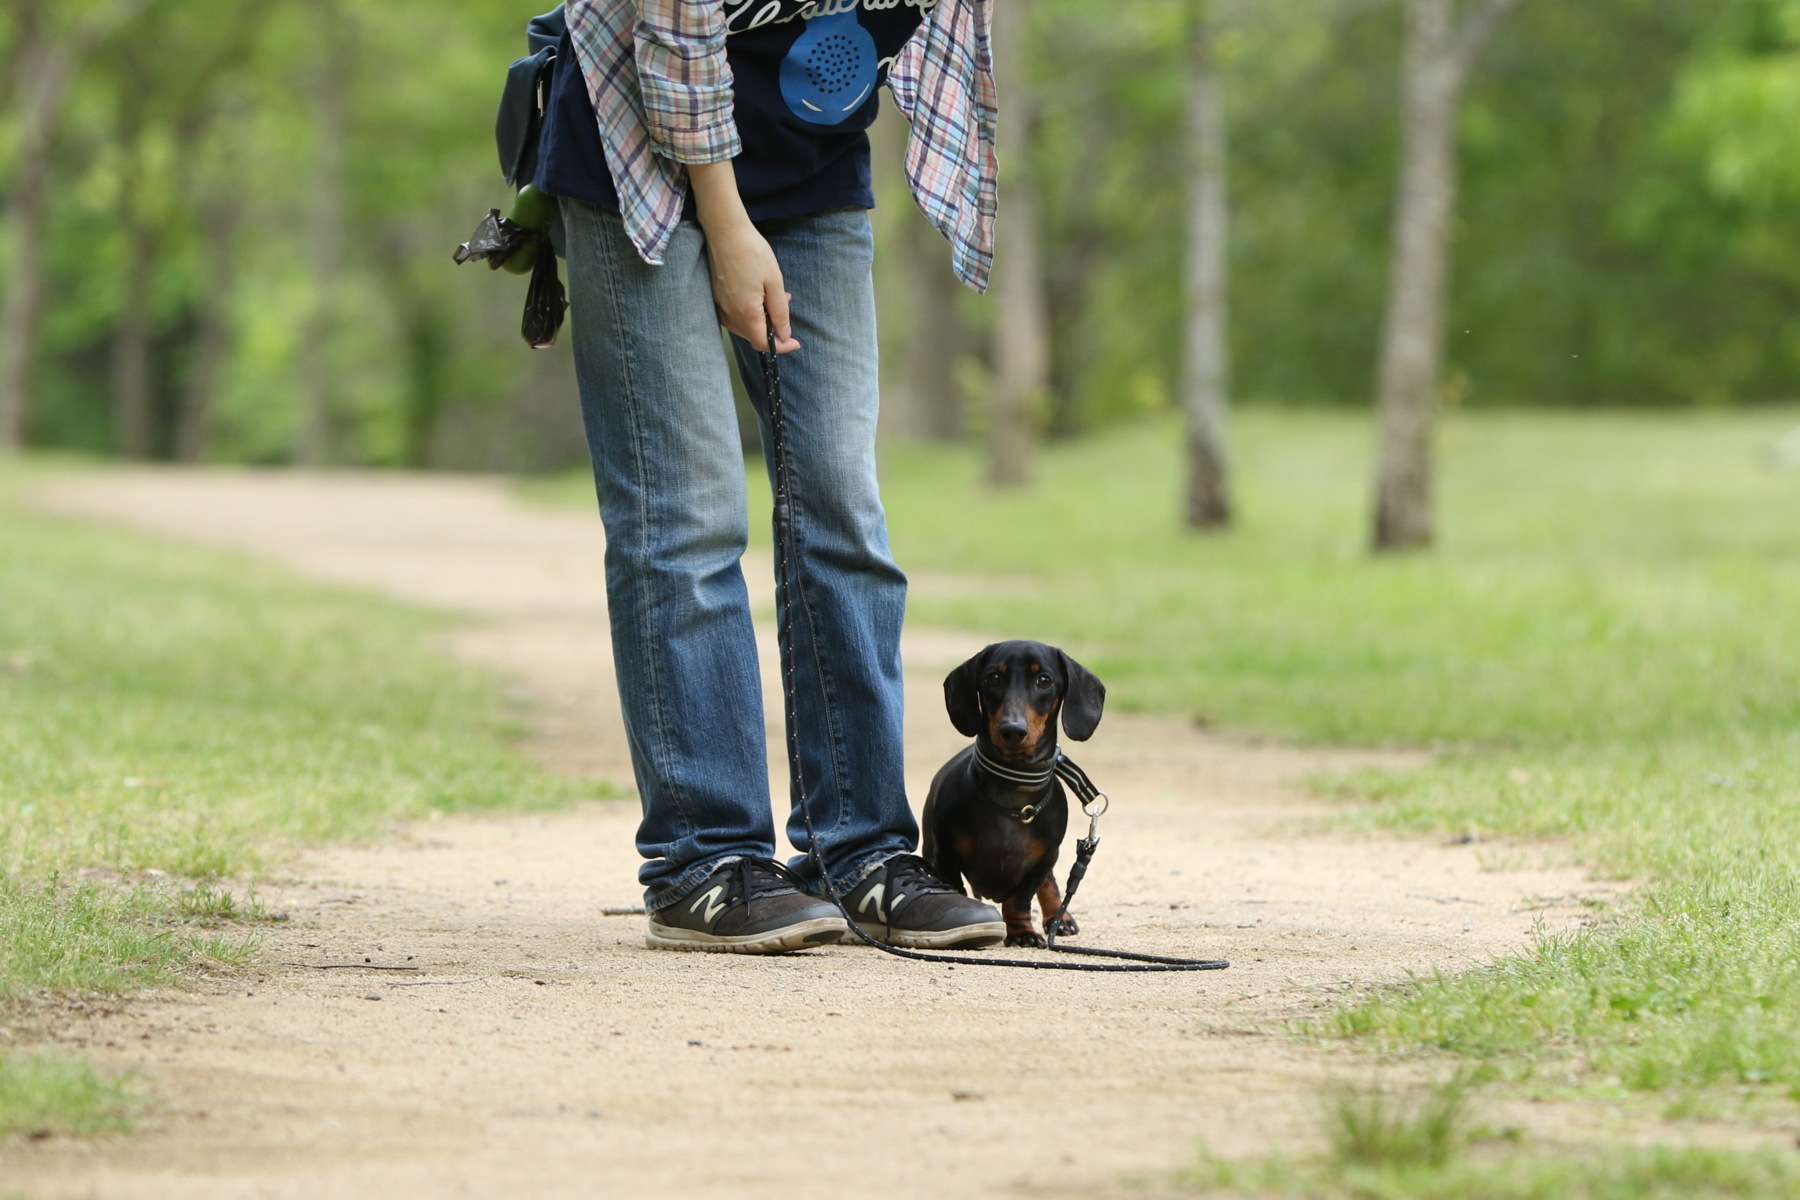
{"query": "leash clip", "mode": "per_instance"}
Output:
(1087, 807)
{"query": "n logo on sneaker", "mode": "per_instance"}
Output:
(874, 897)
(710, 898)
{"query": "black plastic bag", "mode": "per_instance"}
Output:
(545, 302)
(496, 239)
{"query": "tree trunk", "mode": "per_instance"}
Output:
(1205, 383)
(212, 339)
(935, 338)
(919, 295)
(940, 337)
(44, 61)
(1439, 53)
(1021, 319)
(1068, 286)
(133, 419)
(43, 67)
(327, 227)
(134, 434)
(426, 330)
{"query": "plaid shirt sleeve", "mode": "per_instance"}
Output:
(685, 79)
(943, 80)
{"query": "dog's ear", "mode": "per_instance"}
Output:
(1082, 702)
(962, 695)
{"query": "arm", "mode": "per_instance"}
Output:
(746, 279)
(686, 81)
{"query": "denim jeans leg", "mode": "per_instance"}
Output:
(850, 598)
(668, 469)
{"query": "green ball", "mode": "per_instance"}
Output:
(522, 261)
(533, 208)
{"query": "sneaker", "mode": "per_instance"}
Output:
(904, 903)
(751, 906)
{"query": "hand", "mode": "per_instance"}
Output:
(746, 278)
(746, 285)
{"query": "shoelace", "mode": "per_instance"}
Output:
(756, 877)
(914, 876)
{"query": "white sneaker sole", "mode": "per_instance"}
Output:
(821, 931)
(963, 937)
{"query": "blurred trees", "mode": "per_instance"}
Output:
(46, 43)
(243, 214)
(1594, 263)
(250, 209)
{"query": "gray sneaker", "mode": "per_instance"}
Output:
(904, 903)
(751, 906)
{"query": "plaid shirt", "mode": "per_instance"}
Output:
(661, 89)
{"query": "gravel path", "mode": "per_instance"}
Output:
(534, 1047)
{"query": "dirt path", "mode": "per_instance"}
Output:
(540, 1050)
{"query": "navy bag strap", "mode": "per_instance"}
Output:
(517, 124)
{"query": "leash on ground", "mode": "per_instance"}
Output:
(786, 553)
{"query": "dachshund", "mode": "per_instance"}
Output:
(996, 813)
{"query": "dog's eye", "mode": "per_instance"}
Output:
(1044, 682)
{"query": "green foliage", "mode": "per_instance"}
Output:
(169, 713)
(1595, 263)
(1736, 106)
(57, 1093)
(197, 133)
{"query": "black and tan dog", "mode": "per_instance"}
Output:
(996, 813)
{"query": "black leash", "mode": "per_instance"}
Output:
(786, 553)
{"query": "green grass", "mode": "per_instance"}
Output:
(170, 714)
(1492, 1173)
(1381, 1129)
(56, 1093)
(1423, 1145)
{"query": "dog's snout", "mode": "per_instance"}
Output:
(1012, 732)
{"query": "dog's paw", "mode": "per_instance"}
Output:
(1065, 927)
(1026, 937)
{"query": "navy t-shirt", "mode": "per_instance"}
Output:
(806, 75)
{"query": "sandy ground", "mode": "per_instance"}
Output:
(533, 1047)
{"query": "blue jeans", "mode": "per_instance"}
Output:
(669, 470)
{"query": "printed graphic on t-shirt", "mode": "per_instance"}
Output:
(742, 15)
(831, 69)
(834, 63)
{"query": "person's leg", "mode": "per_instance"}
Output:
(849, 597)
(656, 398)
